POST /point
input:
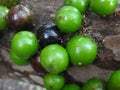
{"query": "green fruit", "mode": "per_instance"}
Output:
(17, 60)
(103, 7)
(114, 81)
(81, 5)
(24, 44)
(71, 87)
(68, 19)
(53, 82)
(3, 17)
(94, 84)
(9, 3)
(54, 58)
(82, 50)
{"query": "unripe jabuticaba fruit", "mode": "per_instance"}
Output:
(9, 3)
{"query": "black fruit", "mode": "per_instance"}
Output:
(48, 34)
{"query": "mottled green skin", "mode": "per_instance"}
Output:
(82, 50)
(24, 44)
(114, 81)
(18, 60)
(68, 19)
(54, 58)
(9, 3)
(95, 84)
(53, 82)
(103, 7)
(81, 5)
(3, 17)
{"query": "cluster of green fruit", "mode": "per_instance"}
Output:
(69, 17)
(53, 57)
(91, 84)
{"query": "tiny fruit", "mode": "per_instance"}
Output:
(3, 17)
(81, 5)
(71, 87)
(82, 50)
(94, 84)
(103, 7)
(114, 81)
(54, 58)
(20, 17)
(68, 19)
(24, 44)
(9, 3)
(48, 34)
(53, 82)
(18, 60)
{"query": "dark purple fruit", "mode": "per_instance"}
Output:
(48, 34)
(20, 17)
(35, 62)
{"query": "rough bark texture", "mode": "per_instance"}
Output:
(9, 84)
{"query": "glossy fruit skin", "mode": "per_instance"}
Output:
(20, 17)
(48, 34)
(54, 58)
(82, 50)
(9, 3)
(103, 7)
(71, 87)
(35, 63)
(81, 5)
(53, 82)
(24, 44)
(3, 17)
(114, 81)
(18, 60)
(94, 84)
(68, 19)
